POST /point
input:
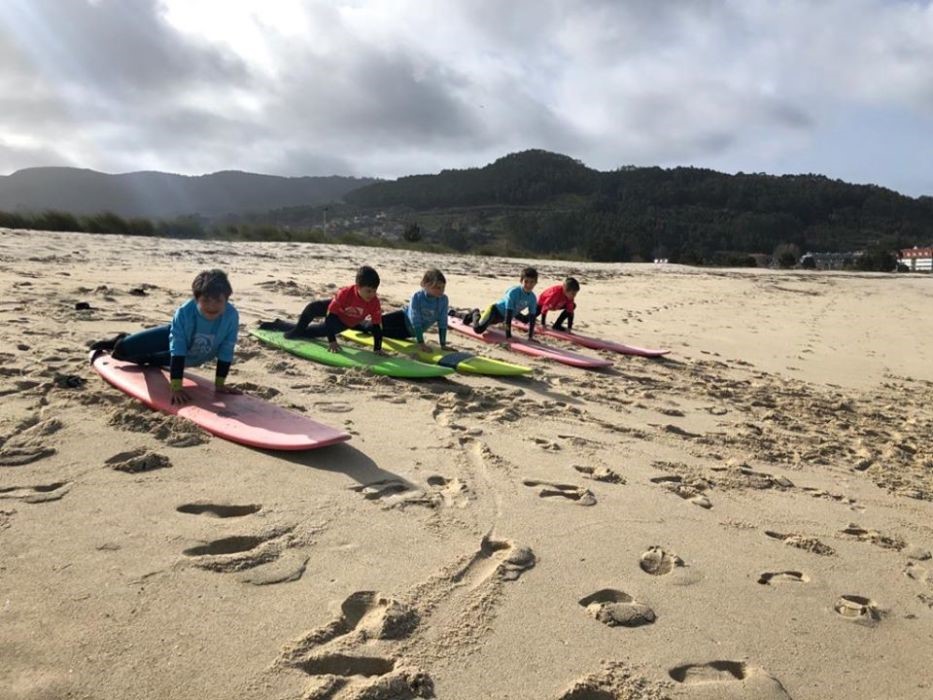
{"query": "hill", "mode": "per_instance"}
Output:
(164, 195)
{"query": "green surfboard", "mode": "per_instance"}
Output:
(464, 362)
(350, 357)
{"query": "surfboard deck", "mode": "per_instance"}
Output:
(464, 362)
(350, 357)
(593, 343)
(240, 418)
(529, 347)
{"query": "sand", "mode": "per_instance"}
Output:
(751, 517)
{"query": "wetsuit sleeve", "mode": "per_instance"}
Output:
(508, 323)
(377, 336)
(223, 368)
(176, 372)
(442, 309)
(333, 325)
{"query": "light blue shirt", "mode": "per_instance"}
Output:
(200, 340)
(423, 311)
(516, 300)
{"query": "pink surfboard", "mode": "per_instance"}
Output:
(593, 343)
(529, 347)
(240, 418)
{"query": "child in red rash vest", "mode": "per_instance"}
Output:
(560, 296)
(348, 309)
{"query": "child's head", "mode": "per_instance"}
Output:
(367, 282)
(211, 289)
(571, 287)
(529, 278)
(434, 282)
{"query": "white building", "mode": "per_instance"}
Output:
(916, 259)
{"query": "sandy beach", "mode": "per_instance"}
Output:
(750, 517)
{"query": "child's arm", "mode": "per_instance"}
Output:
(178, 349)
(377, 337)
(415, 317)
(442, 310)
(333, 325)
(225, 356)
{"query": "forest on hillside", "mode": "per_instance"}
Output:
(543, 204)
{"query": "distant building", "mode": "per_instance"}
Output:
(828, 261)
(916, 259)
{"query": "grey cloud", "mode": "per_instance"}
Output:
(112, 48)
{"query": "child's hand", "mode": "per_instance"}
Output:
(227, 389)
(334, 347)
(424, 347)
(180, 397)
(381, 352)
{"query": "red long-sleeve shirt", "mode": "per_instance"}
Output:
(553, 298)
(349, 307)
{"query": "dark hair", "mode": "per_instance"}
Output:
(367, 277)
(433, 277)
(529, 273)
(571, 284)
(212, 284)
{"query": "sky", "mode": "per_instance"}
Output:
(387, 88)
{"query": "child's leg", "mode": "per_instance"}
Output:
(148, 347)
(490, 316)
(564, 316)
(316, 309)
(393, 325)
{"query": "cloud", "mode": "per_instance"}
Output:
(392, 88)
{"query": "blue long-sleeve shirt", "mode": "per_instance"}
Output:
(423, 311)
(199, 340)
(516, 300)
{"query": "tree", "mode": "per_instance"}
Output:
(412, 233)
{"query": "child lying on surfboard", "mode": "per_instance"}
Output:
(559, 297)
(203, 328)
(519, 303)
(350, 307)
(427, 307)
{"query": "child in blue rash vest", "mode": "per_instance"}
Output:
(427, 306)
(519, 302)
(203, 328)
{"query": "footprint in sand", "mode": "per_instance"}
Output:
(332, 406)
(364, 616)
(258, 559)
(772, 577)
(722, 680)
(809, 544)
(139, 460)
(859, 609)
(613, 682)
(659, 562)
(377, 490)
(692, 492)
(345, 677)
(544, 444)
(875, 537)
(447, 492)
(40, 493)
(604, 474)
(617, 608)
(577, 494)
(215, 510)
(29, 443)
